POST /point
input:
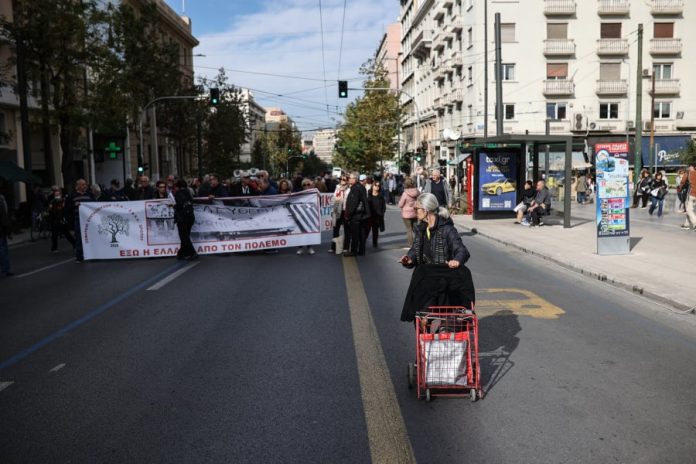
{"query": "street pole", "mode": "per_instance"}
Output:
(199, 140)
(23, 106)
(651, 155)
(498, 79)
(638, 148)
(485, 71)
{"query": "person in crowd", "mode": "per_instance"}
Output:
(658, 191)
(160, 190)
(376, 206)
(204, 187)
(680, 200)
(436, 240)
(217, 190)
(363, 180)
(589, 194)
(195, 185)
(528, 194)
(5, 234)
(540, 206)
(330, 182)
(688, 184)
(354, 213)
(144, 190)
(440, 188)
(390, 188)
(407, 203)
(284, 187)
(337, 210)
(307, 184)
(263, 174)
(115, 193)
(246, 187)
(452, 182)
(581, 188)
(265, 187)
(57, 219)
(171, 180)
(320, 185)
(98, 194)
(129, 191)
(642, 191)
(184, 217)
(80, 195)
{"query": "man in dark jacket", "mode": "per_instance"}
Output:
(72, 205)
(144, 190)
(540, 206)
(185, 218)
(217, 190)
(355, 212)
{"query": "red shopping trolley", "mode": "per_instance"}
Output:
(447, 356)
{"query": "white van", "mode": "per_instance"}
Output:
(336, 172)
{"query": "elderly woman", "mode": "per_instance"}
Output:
(438, 254)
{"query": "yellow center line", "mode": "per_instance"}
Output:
(386, 429)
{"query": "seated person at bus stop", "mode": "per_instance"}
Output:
(438, 255)
(540, 206)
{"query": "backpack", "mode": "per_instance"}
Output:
(683, 192)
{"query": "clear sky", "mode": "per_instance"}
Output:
(274, 47)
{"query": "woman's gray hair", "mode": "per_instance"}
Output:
(431, 205)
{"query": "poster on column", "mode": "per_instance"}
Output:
(612, 214)
(497, 181)
(146, 229)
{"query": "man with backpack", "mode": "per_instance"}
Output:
(688, 187)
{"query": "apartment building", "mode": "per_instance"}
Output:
(256, 119)
(323, 144)
(569, 61)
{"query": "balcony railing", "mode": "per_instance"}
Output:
(613, 7)
(612, 87)
(612, 46)
(457, 96)
(559, 87)
(667, 87)
(666, 7)
(457, 61)
(665, 46)
(558, 47)
(559, 7)
(456, 25)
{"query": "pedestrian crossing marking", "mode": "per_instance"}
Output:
(515, 301)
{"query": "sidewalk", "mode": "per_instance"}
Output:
(660, 265)
(19, 237)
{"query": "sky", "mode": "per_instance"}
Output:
(274, 48)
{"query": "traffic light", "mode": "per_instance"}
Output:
(140, 163)
(342, 89)
(140, 168)
(214, 96)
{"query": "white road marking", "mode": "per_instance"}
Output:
(386, 429)
(57, 368)
(46, 268)
(172, 276)
(4, 385)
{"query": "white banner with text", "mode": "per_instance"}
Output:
(146, 229)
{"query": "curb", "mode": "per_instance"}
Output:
(636, 290)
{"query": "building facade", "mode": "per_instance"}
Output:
(323, 144)
(256, 119)
(571, 62)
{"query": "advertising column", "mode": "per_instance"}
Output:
(497, 181)
(613, 233)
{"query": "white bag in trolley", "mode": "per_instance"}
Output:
(445, 360)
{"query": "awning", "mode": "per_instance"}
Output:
(10, 171)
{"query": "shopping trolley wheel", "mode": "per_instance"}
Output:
(411, 375)
(472, 395)
(427, 395)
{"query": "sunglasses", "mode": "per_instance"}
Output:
(306, 185)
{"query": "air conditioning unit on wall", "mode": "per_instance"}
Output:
(630, 124)
(578, 123)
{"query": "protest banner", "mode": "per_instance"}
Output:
(145, 229)
(326, 208)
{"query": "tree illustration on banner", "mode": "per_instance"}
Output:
(114, 224)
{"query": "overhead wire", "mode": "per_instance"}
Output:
(323, 58)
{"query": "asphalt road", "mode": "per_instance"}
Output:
(265, 358)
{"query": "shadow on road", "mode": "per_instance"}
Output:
(635, 241)
(497, 340)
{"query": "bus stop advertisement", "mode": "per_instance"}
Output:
(497, 181)
(613, 201)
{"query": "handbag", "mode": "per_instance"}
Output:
(655, 193)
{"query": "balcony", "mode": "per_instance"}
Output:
(421, 44)
(612, 46)
(612, 87)
(559, 87)
(613, 7)
(559, 47)
(665, 46)
(666, 7)
(667, 87)
(457, 96)
(559, 7)
(457, 60)
(456, 25)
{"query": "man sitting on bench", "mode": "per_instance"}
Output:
(540, 206)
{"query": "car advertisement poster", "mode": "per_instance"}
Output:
(612, 189)
(497, 181)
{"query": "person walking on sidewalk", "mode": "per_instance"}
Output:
(440, 188)
(377, 206)
(407, 203)
(4, 235)
(688, 184)
(355, 212)
(658, 190)
(581, 188)
(57, 219)
(680, 201)
(642, 190)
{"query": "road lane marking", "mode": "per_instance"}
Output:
(386, 429)
(45, 268)
(4, 385)
(515, 301)
(173, 276)
(57, 368)
(87, 317)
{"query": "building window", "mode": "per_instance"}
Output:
(557, 31)
(610, 31)
(509, 111)
(663, 30)
(663, 110)
(4, 136)
(508, 71)
(556, 71)
(662, 71)
(470, 75)
(470, 37)
(556, 110)
(608, 111)
(471, 114)
(609, 71)
(507, 32)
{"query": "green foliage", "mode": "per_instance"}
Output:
(282, 142)
(313, 166)
(688, 155)
(371, 124)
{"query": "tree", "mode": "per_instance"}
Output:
(282, 143)
(114, 224)
(372, 122)
(313, 166)
(688, 155)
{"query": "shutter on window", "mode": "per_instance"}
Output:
(610, 71)
(557, 31)
(664, 30)
(611, 31)
(507, 32)
(557, 70)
